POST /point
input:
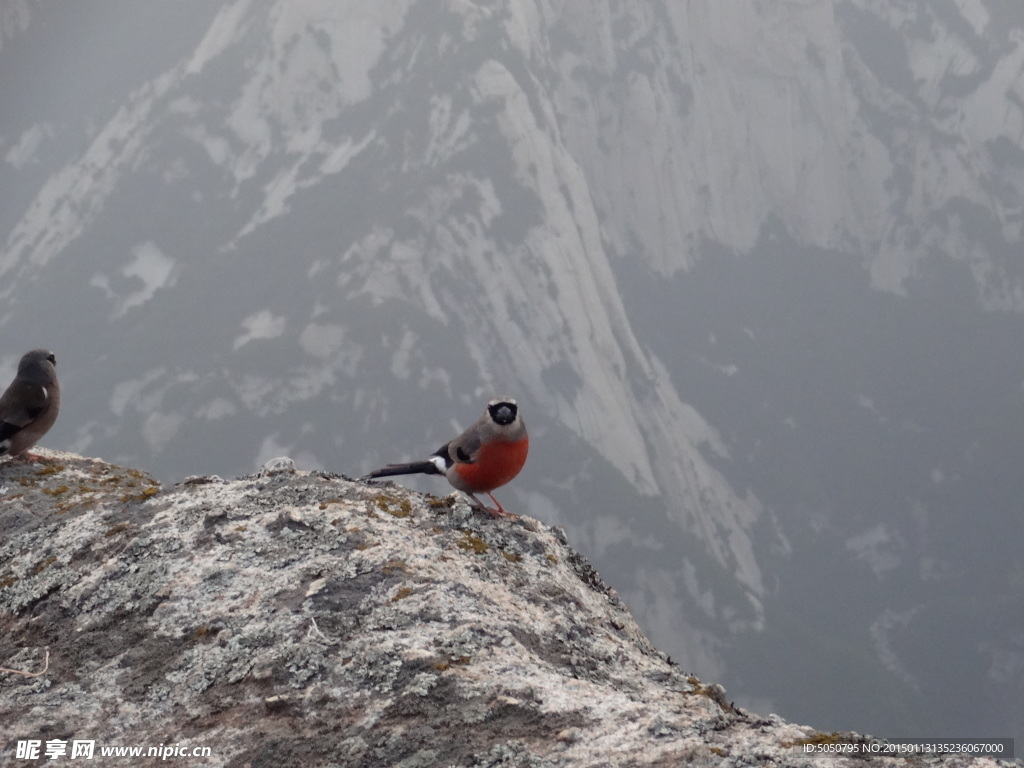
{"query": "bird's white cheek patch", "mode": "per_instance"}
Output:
(46, 395)
(438, 462)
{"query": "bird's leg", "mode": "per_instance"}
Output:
(476, 501)
(499, 510)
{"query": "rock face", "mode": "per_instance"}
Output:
(301, 618)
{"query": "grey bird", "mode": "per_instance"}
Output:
(484, 457)
(29, 406)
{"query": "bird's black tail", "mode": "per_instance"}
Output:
(7, 431)
(415, 468)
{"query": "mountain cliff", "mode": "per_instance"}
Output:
(290, 617)
(752, 269)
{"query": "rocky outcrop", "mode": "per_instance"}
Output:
(302, 618)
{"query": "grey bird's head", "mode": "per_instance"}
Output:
(38, 365)
(503, 410)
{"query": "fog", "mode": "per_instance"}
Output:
(753, 272)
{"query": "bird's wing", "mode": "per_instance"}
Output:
(22, 403)
(464, 448)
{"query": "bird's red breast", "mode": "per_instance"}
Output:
(495, 464)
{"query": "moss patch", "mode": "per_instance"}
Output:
(818, 738)
(712, 692)
(395, 506)
(142, 495)
(116, 529)
(44, 564)
(472, 543)
(443, 664)
(401, 594)
(440, 506)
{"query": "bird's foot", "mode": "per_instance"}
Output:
(34, 457)
(499, 511)
(496, 512)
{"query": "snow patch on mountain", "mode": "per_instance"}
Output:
(223, 32)
(260, 325)
(149, 266)
(26, 148)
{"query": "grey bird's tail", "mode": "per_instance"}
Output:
(414, 468)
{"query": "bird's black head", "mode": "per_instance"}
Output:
(503, 410)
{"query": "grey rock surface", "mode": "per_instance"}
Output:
(301, 618)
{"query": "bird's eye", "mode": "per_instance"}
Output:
(52, 358)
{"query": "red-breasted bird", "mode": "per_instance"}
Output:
(29, 406)
(484, 457)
